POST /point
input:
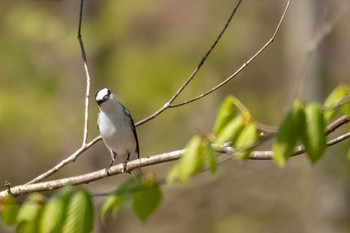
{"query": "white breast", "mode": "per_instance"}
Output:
(116, 132)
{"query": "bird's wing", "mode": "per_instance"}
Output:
(133, 128)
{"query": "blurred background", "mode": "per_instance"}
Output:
(144, 51)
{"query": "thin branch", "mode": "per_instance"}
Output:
(336, 124)
(142, 162)
(193, 74)
(147, 161)
(64, 162)
(88, 79)
(268, 155)
(242, 67)
(85, 145)
(93, 176)
(207, 54)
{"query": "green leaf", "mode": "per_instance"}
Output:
(189, 164)
(345, 108)
(147, 198)
(231, 131)
(124, 193)
(245, 141)
(224, 115)
(29, 214)
(80, 214)
(54, 211)
(144, 193)
(313, 136)
(9, 210)
(245, 112)
(333, 99)
(288, 133)
(210, 157)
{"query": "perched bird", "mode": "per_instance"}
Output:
(117, 129)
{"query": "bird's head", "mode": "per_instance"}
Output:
(103, 96)
(106, 100)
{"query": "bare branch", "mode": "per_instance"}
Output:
(85, 145)
(64, 162)
(336, 124)
(148, 161)
(88, 79)
(193, 74)
(93, 176)
(242, 67)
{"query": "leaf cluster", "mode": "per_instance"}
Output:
(68, 210)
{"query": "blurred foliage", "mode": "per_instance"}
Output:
(143, 51)
(68, 210)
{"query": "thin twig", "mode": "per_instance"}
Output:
(336, 124)
(193, 74)
(85, 145)
(241, 68)
(64, 162)
(268, 155)
(88, 79)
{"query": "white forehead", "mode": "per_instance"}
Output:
(101, 94)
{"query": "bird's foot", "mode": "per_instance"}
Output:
(124, 166)
(109, 166)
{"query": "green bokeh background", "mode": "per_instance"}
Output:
(144, 51)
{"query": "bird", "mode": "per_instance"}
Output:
(117, 129)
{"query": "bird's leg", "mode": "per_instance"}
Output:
(125, 163)
(113, 155)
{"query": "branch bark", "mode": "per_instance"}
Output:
(157, 159)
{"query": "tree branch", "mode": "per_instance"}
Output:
(64, 162)
(193, 74)
(85, 145)
(242, 67)
(336, 124)
(153, 160)
(88, 79)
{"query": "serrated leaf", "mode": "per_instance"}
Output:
(29, 213)
(79, 217)
(224, 115)
(231, 131)
(210, 157)
(288, 133)
(54, 211)
(9, 210)
(246, 139)
(124, 193)
(313, 136)
(335, 97)
(189, 164)
(147, 198)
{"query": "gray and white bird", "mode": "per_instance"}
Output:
(117, 129)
